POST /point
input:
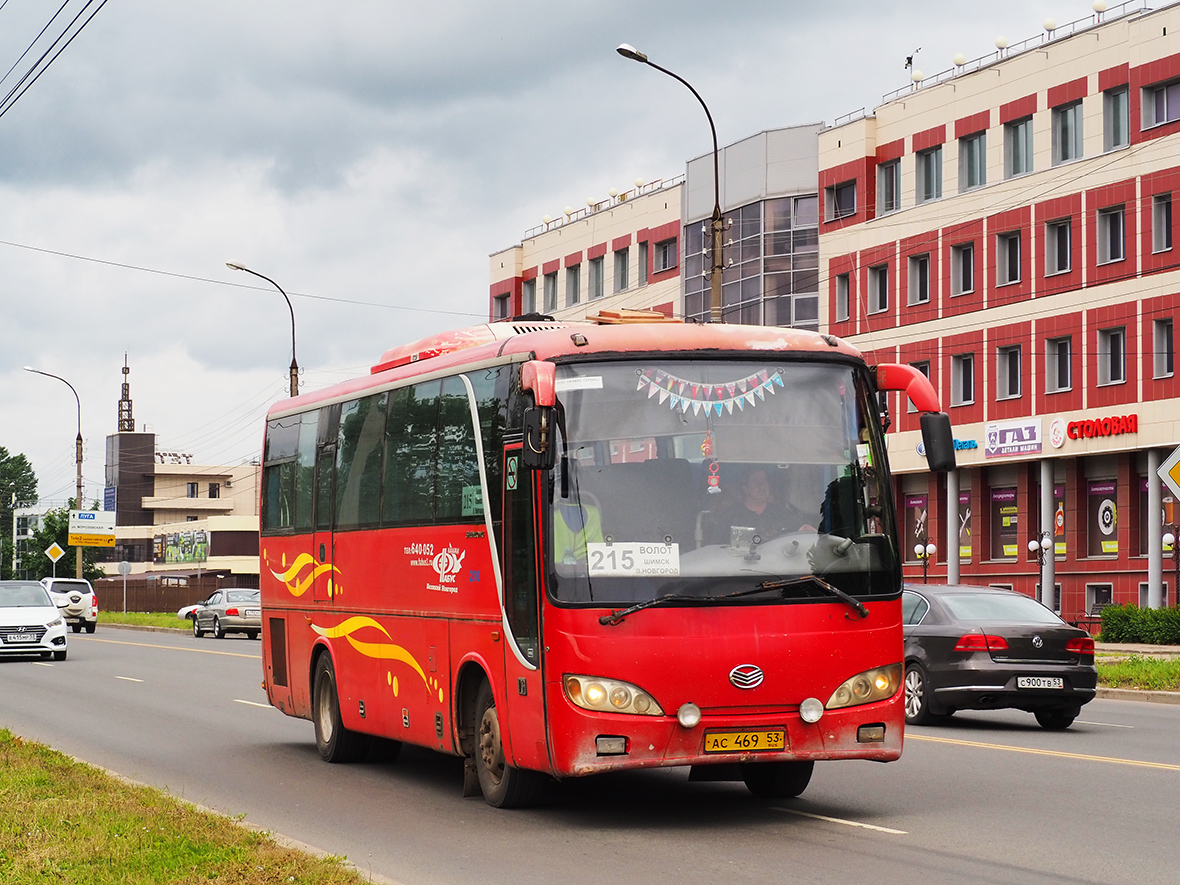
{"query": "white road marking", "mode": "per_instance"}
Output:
(42, 664)
(251, 703)
(847, 823)
(129, 679)
(1107, 724)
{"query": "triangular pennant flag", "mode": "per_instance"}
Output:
(731, 388)
(761, 392)
(663, 395)
(778, 378)
(750, 398)
(717, 406)
(742, 385)
(675, 402)
(651, 390)
(684, 404)
(729, 406)
(741, 404)
(697, 406)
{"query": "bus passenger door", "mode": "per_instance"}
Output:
(523, 684)
(325, 501)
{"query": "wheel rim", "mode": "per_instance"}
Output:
(324, 711)
(915, 691)
(217, 626)
(491, 751)
(196, 627)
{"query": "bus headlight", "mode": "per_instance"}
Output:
(867, 687)
(610, 696)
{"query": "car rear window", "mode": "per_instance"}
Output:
(60, 586)
(997, 607)
(241, 596)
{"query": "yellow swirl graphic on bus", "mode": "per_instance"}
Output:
(385, 651)
(299, 578)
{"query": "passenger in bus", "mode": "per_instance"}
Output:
(574, 525)
(758, 509)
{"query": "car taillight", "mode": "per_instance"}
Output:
(1080, 645)
(981, 642)
(232, 612)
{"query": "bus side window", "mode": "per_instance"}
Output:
(358, 462)
(458, 487)
(288, 467)
(411, 432)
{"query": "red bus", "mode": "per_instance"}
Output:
(557, 549)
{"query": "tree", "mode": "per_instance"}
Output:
(55, 527)
(16, 475)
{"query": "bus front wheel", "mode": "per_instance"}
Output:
(334, 742)
(777, 780)
(502, 785)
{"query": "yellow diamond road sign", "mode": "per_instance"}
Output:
(54, 551)
(1169, 472)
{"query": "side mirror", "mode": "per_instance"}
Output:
(538, 452)
(938, 441)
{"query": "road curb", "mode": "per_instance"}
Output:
(1130, 694)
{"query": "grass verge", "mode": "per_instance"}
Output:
(65, 821)
(1144, 674)
(145, 619)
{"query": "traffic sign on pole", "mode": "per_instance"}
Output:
(1169, 472)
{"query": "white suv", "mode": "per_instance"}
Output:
(76, 601)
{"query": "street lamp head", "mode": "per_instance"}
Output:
(628, 51)
(930, 550)
(233, 265)
(1034, 546)
(1169, 539)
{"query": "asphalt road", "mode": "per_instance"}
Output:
(990, 798)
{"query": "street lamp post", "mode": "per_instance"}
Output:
(924, 550)
(233, 265)
(78, 456)
(628, 51)
(1172, 539)
(1042, 546)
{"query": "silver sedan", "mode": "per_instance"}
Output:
(229, 611)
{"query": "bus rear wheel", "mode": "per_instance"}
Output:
(502, 785)
(334, 742)
(777, 780)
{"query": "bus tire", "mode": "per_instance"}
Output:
(502, 785)
(776, 780)
(334, 742)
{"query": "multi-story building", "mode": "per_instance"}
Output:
(619, 253)
(1007, 227)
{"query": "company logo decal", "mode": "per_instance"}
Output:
(746, 676)
(446, 563)
(383, 651)
(1038, 642)
(301, 575)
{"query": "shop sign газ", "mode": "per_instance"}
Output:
(1115, 425)
(1013, 438)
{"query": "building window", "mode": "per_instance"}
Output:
(1008, 258)
(214, 490)
(528, 296)
(1116, 119)
(1112, 355)
(1058, 247)
(919, 279)
(842, 283)
(879, 288)
(666, 255)
(1162, 348)
(962, 269)
(889, 187)
(1018, 147)
(1161, 222)
(840, 200)
(929, 174)
(596, 282)
(1067, 133)
(621, 269)
(922, 366)
(1111, 235)
(573, 284)
(1057, 364)
(1008, 371)
(551, 291)
(973, 161)
(193, 489)
(963, 379)
(1161, 104)
(500, 307)
(643, 258)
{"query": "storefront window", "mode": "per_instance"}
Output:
(1005, 524)
(916, 525)
(964, 526)
(1148, 524)
(1102, 530)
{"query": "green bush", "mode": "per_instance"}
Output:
(1129, 623)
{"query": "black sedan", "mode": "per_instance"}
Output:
(983, 648)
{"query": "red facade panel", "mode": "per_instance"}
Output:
(844, 264)
(573, 258)
(596, 251)
(551, 266)
(1021, 107)
(1164, 182)
(1110, 197)
(1067, 92)
(952, 346)
(1001, 406)
(974, 123)
(952, 237)
(890, 150)
(529, 273)
(1158, 385)
(1119, 75)
(1014, 221)
(928, 138)
(622, 242)
(1116, 316)
(861, 171)
(869, 259)
(910, 310)
(1060, 326)
(1061, 209)
(1159, 71)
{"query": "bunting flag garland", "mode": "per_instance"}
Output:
(716, 399)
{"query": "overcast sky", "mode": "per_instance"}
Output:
(368, 156)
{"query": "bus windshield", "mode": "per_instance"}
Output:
(699, 478)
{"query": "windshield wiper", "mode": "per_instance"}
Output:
(616, 617)
(817, 581)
